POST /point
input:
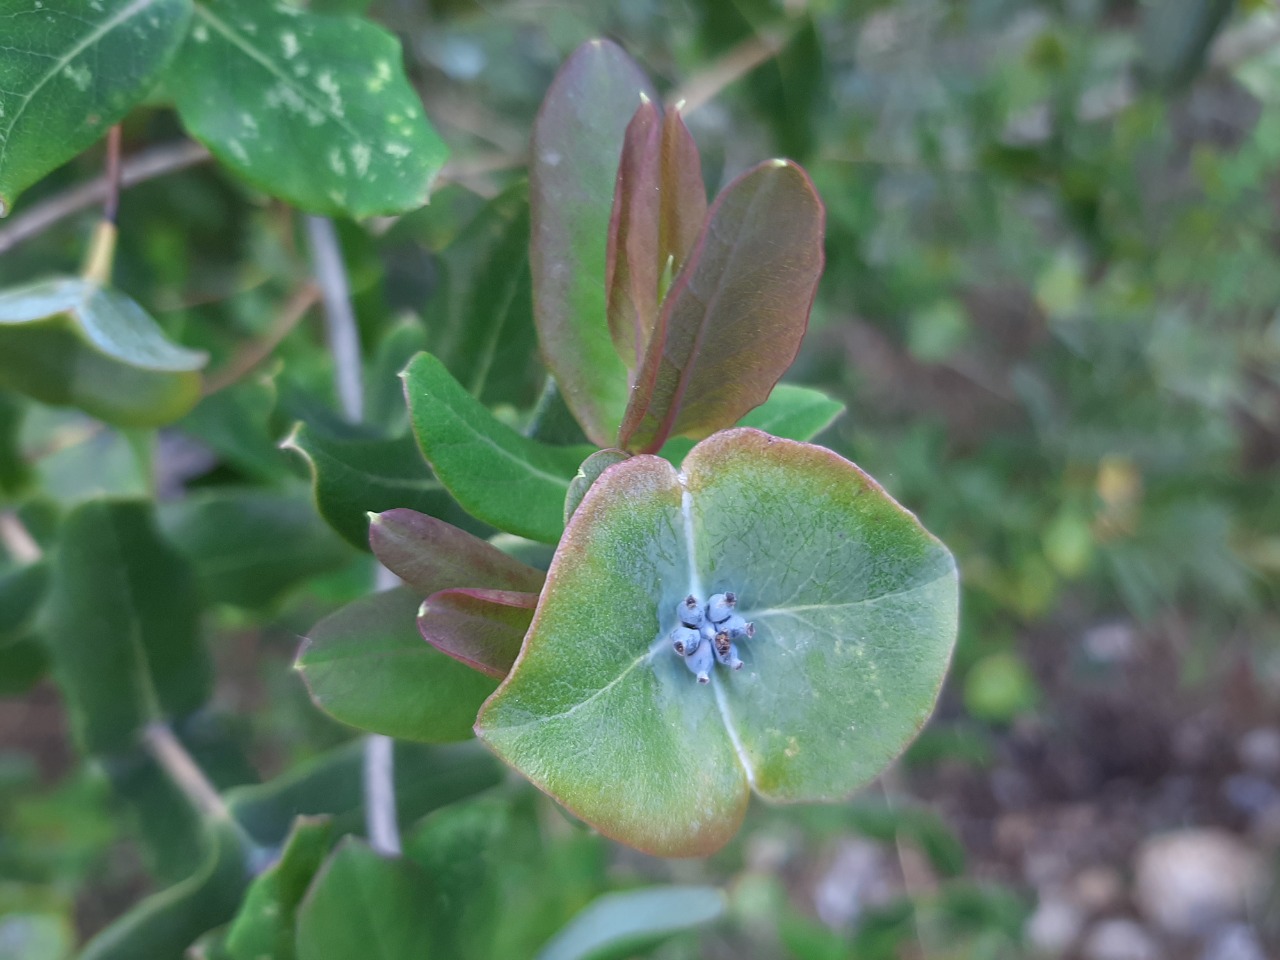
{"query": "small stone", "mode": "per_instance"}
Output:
(1119, 939)
(1234, 942)
(1097, 889)
(1053, 928)
(1191, 881)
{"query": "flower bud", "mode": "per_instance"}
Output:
(685, 640)
(689, 610)
(720, 607)
(699, 662)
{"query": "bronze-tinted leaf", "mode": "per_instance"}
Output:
(481, 628)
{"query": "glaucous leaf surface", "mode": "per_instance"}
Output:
(313, 109)
(164, 924)
(426, 778)
(353, 476)
(618, 925)
(123, 624)
(70, 71)
(481, 628)
(431, 555)
(854, 606)
(69, 341)
(732, 322)
(364, 906)
(791, 412)
(264, 925)
(497, 475)
(367, 665)
(250, 546)
(577, 142)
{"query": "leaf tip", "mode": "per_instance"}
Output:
(291, 441)
(779, 162)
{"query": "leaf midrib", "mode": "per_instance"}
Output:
(138, 6)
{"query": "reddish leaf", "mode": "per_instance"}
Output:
(577, 141)
(659, 205)
(481, 628)
(430, 555)
(733, 320)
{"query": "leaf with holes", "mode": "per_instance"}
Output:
(70, 70)
(854, 606)
(733, 320)
(311, 108)
(70, 341)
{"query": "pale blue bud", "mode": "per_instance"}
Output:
(699, 662)
(720, 607)
(726, 651)
(738, 628)
(685, 640)
(689, 610)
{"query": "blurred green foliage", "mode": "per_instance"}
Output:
(1050, 305)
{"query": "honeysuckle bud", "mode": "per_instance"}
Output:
(699, 662)
(689, 610)
(737, 628)
(685, 640)
(725, 651)
(720, 607)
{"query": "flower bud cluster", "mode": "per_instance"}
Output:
(707, 634)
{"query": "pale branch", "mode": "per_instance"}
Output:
(147, 165)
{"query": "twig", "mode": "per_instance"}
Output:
(254, 352)
(17, 539)
(111, 206)
(735, 64)
(156, 162)
(344, 343)
(340, 318)
(185, 772)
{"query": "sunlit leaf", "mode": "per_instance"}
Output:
(72, 342)
(71, 70)
(367, 665)
(854, 606)
(314, 109)
(577, 141)
(733, 320)
(481, 628)
(496, 474)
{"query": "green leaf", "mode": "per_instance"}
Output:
(733, 320)
(166, 923)
(21, 591)
(264, 926)
(123, 624)
(854, 606)
(430, 555)
(481, 628)
(236, 423)
(355, 476)
(588, 473)
(577, 142)
(311, 108)
(659, 205)
(364, 906)
(484, 307)
(248, 546)
(366, 665)
(619, 925)
(23, 662)
(426, 778)
(791, 412)
(71, 342)
(71, 70)
(505, 479)
(15, 472)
